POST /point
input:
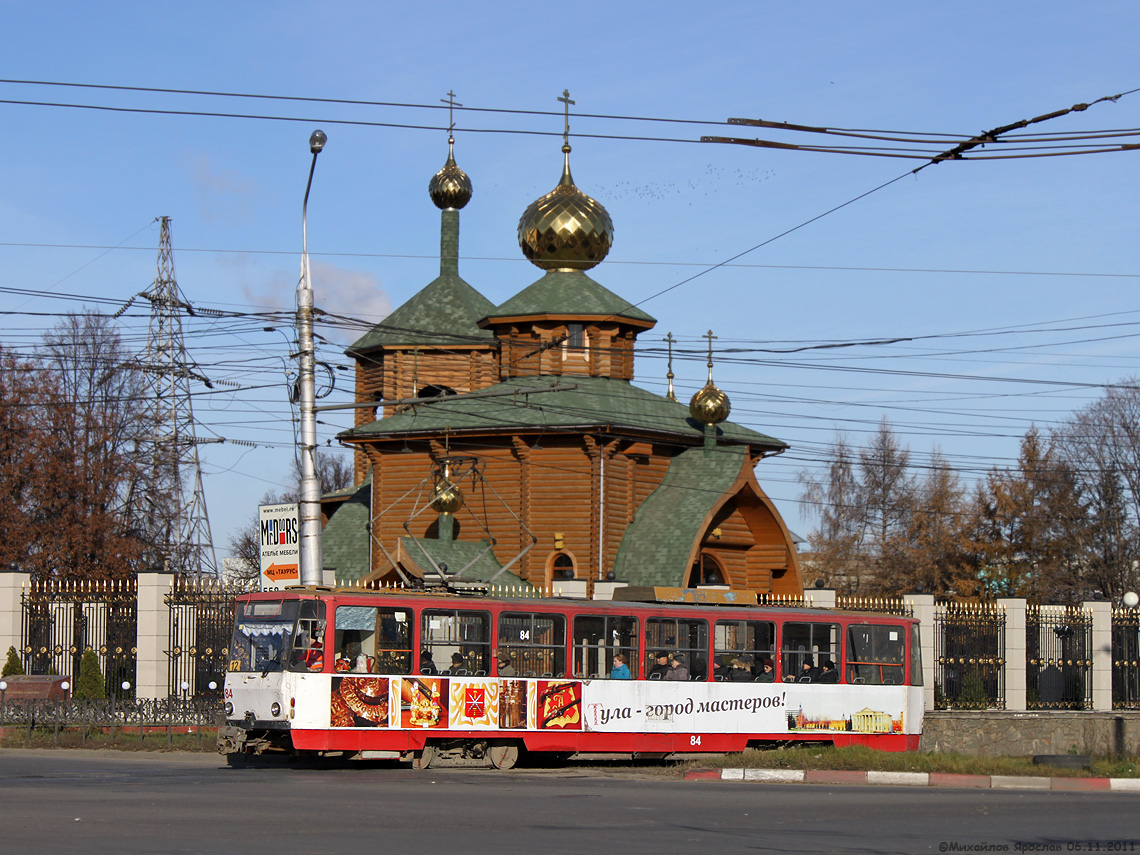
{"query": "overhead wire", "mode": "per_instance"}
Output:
(962, 147)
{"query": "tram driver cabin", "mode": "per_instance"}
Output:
(401, 674)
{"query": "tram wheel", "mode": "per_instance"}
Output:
(503, 755)
(423, 759)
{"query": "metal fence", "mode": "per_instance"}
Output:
(201, 619)
(1058, 658)
(878, 605)
(1125, 659)
(173, 711)
(969, 647)
(62, 619)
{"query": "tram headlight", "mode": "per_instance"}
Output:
(229, 709)
(275, 710)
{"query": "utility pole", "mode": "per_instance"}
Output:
(311, 570)
(170, 510)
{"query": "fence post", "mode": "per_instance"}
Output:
(820, 598)
(922, 607)
(1101, 613)
(12, 584)
(1016, 697)
(153, 635)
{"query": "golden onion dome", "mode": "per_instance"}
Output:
(566, 229)
(450, 187)
(710, 405)
(446, 498)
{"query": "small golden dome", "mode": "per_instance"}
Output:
(450, 187)
(710, 405)
(566, 229)
(447, 498)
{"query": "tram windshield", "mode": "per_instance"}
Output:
(263, 633)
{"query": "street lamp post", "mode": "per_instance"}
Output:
(312, 566)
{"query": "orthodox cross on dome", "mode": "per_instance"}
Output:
(565, 99)
(669, 376)
(451, 105)
(709, 335)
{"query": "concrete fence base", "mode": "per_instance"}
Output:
(1020, 734)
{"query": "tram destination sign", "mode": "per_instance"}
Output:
(280, 546)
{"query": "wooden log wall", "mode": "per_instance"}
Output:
(563, 499)
(394, 374)
(551, 485)
(531, 349)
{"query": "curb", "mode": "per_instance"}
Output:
(917, 779)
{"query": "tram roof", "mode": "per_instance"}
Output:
(537, 604)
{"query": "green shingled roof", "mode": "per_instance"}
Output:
(568, 292)
(441, 315)
(457, 554)
(655, 548)
(567, 402)
(344, 539)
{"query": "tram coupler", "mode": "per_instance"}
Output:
(231, 740)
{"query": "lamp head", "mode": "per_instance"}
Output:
(317, 141)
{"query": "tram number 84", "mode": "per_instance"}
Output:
(694, 740)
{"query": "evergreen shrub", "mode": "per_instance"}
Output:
(89, 686)
(12, 665)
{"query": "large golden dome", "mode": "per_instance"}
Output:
(566, 229)
(450, 187)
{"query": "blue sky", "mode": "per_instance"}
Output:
(1047, 240)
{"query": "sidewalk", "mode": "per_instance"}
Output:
(914, 779)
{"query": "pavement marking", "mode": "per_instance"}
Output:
(908, 779)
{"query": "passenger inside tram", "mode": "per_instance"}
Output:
(768, 672)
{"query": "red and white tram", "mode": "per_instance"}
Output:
(420, 675)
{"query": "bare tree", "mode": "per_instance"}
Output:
(91, 432)
(334, 471)
(886, 491)
(1101, 445)
(864, 503)
(837, 542)
(21, 399)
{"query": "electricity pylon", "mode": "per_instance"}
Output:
(170, 511)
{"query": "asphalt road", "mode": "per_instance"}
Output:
(104, 802)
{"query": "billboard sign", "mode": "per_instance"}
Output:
(278, 534)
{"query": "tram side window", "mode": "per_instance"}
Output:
(536, 643)
(679, 635)
(915, 656)
(875, 654)
(445, 632)
(309, 640)
(373, 641)
(597, 638)
(808, 644)
(750, 641)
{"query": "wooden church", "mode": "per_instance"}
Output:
(509, 445)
